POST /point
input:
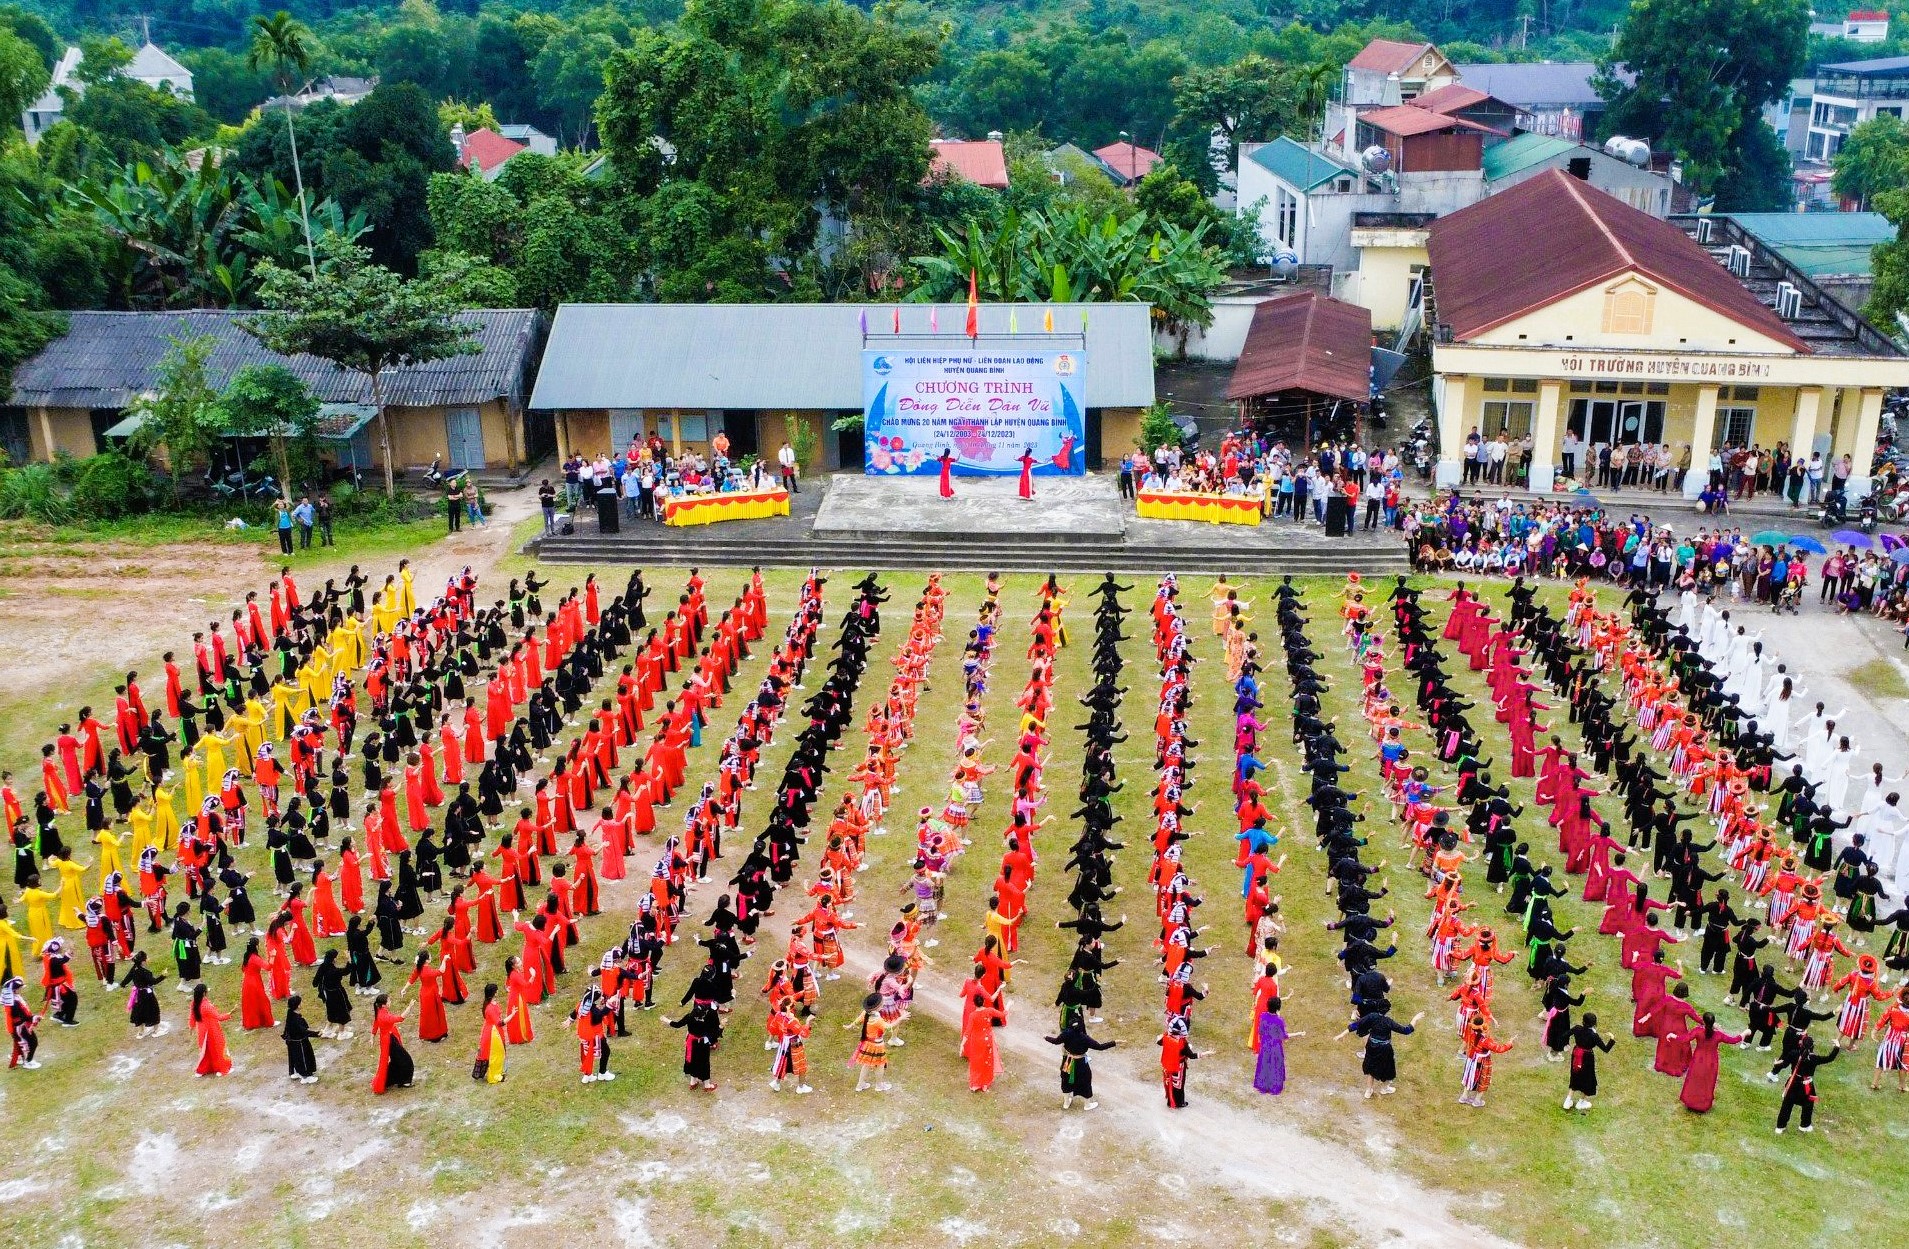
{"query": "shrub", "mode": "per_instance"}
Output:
(1157, 428)
(111, 485)
(32, 492)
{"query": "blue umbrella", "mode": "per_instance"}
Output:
(1900, 555)
(1853, 537)
(1803, 542)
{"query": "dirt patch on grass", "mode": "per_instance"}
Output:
(1881, 677)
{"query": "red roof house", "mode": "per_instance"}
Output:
(1127, 162)
(486, 151)
(980, 161)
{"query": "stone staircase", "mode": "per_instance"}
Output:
(1271, 550)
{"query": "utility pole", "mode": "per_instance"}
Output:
(1524, 32)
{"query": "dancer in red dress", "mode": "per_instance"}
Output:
(947, 469)
(1027, 473)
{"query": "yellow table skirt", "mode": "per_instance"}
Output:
(1214, 509)
(704, 509)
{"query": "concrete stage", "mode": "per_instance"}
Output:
(982, 507)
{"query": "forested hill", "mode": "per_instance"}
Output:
(1083, 70)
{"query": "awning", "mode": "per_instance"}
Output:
(128, 427)
(1306, 342)
(340, 422)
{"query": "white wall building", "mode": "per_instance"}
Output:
(149, 65)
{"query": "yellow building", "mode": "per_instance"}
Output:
(468, 411)
(614, 374)
(1555, 307)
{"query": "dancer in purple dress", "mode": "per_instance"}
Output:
(1269, 1076)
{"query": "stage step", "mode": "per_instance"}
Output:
(1328, 557)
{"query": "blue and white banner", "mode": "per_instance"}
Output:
(988, 407)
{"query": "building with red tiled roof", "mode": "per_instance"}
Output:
(1556, 307)
(1385, 73)
(486, 151)
(1127, 163)
(983, 162)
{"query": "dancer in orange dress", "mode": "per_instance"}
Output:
(205, 1019)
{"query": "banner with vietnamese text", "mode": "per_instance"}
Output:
(987, 407)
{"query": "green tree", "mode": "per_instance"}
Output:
(1703, 69)
(1253, 98)
(1113, 86)
(36, 31)
(1874, 158)
(1889, 266)
(362, 317)
(182, 413)
(568, 75)
(736, 131)
(101, 58)
(23, 76)
(1070, 255)
(269, 401)
(375, 157)
(133, 122)
(1001, 90)
(281, 45)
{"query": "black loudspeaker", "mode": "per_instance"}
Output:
(1338, 516)
(609, 516)
(568, 528)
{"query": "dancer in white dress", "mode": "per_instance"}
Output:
(1836, 775)
(1889, 847)
(1873, 790)
(1779, 718)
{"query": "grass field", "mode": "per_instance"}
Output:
(114, 1141)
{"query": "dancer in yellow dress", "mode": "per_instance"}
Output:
(252, 727)
(37, 905)
(407, 592)
(285, 697)
(384, 609)
(214, 747)
(72, 890)
(165, 818)
(12, 960)
(144, 827)
(108, 842)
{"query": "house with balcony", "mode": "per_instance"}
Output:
(1848, 94)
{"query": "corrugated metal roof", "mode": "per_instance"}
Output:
(1534, 84)
(1387, 56)
(1296, 164)
(107, 359)
(1406, 120)
(1305, 342)
(1522, 152)
(1553, 235)
(752, 356)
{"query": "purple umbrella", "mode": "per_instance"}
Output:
(1853, 537)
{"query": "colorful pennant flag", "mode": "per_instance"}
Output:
(974, 307)
(1047, 321)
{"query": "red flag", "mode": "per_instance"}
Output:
(974, 308)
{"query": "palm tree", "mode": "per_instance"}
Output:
(282, 45)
